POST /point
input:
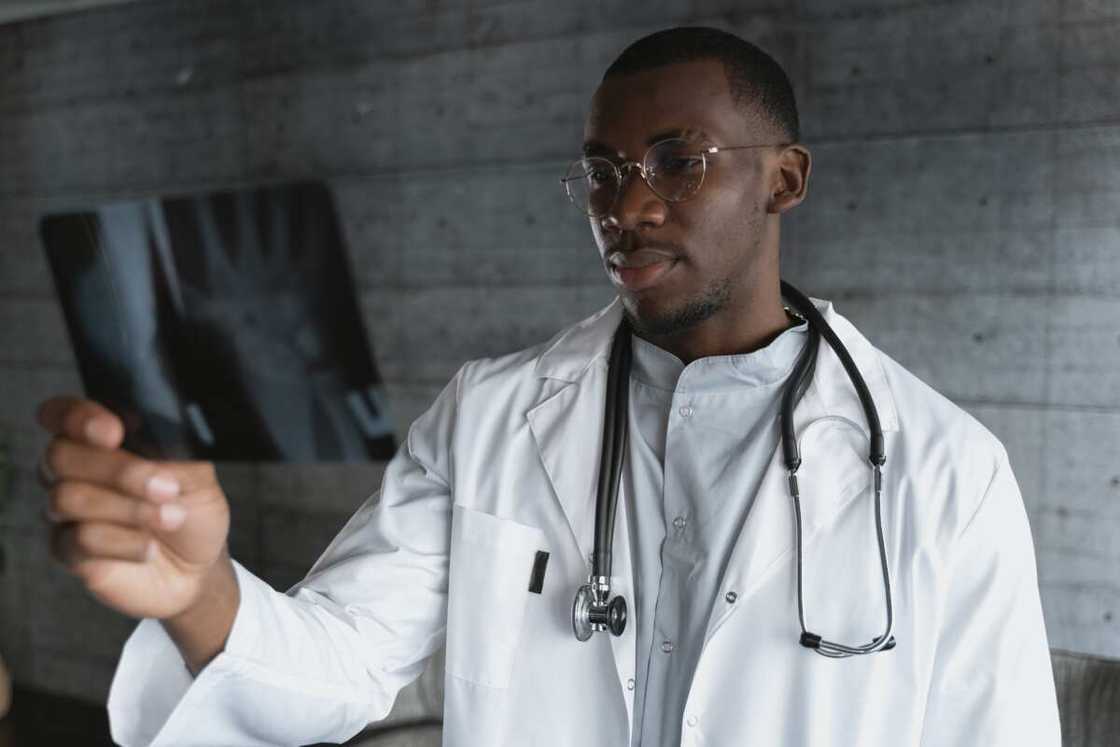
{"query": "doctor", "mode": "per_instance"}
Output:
(484, 523)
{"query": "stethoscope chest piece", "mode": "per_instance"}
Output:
(593, 610)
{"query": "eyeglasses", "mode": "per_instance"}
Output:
(673, 169)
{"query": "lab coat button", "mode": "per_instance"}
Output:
(731, 597)
(667, 646)
(686, 412)
(630, 684)
(692, 721)
(680, 522)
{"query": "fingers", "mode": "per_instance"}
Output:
(81, 420)
(85, 502)
(43, 473)
(70, 461)
(76, 545)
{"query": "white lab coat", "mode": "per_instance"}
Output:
(504, 465)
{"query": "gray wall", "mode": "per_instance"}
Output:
(962, 211)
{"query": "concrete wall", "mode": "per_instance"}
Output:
(16, 10)
(962, 211)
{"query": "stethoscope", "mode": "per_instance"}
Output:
(594, 610)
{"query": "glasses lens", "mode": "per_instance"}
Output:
(592, 184)
(674, 169)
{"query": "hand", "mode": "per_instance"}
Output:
(143, 536)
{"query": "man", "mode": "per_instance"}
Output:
(691, 157)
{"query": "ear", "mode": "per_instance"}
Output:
(790, 179)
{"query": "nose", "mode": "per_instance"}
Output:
(637, 206)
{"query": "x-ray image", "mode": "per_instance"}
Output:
(222, 326)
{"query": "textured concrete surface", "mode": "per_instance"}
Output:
(962, 211)
(16, 10)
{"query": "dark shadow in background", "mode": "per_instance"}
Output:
(222, 326)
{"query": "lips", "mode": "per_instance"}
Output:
(640, 269)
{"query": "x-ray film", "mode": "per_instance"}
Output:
(222, 326)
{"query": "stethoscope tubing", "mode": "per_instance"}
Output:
(616, 437)
(831, 648)
(593, 602)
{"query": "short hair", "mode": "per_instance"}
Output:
(757, 82)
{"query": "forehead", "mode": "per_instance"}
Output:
(628, 109)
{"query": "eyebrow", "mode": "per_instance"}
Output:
(596, 148)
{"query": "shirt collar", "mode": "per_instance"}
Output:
(656, 367)
(569, 355)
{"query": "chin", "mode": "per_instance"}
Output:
(648, 317)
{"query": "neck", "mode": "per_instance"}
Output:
(740, 328)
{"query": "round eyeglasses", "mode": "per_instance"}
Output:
(673, 169)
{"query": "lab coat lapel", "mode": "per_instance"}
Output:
(567, 426)
(567, 423)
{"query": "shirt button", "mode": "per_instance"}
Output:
(686, 412)
(680, 522)
(630, 684)
(692, 721)
(667, 646)
(731, 597)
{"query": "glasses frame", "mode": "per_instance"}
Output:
(620, 170)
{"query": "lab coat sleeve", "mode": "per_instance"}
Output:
(992, 681)
(323, 660)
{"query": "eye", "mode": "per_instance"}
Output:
(600, 175)
(597, 173)
(674, 158)
(680, 164)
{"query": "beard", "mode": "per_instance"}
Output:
(687, 314)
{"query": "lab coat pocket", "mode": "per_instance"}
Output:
(491, 563)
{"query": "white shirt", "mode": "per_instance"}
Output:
(701, 437)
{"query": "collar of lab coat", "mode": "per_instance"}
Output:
(831, 429)
(587, 344)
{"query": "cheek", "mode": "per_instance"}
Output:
(739, 197)
(722, 229)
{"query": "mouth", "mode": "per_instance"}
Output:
(640, 270)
